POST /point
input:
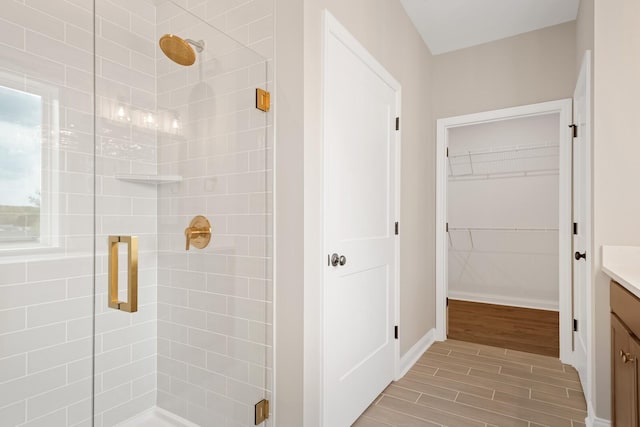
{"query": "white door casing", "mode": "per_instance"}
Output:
(361, 102)
(582, 217)
(563, 109)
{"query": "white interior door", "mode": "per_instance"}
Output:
(360, 104)
(581, 216)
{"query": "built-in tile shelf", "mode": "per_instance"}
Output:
(150, 179)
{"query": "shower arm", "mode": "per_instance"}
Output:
(199, 45)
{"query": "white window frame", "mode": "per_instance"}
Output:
(49, 237)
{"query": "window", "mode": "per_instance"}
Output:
(28, 137)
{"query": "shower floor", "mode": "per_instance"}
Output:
(156, 417)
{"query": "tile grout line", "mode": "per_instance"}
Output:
(559, 405)
(451, 387)
(505, 408)
(495, 364)
(544, 411)
(539, 381)
(482, 409)
(424, 419)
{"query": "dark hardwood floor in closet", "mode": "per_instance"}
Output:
(523, 329)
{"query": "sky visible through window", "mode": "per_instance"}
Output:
(20, 163)
(20, 149)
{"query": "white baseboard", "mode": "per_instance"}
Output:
(411, 357)
(596, 422)
(592, 420)
(505, 300)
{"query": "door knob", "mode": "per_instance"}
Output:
(336, 260)
(578, 255)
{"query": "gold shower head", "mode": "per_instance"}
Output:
(180, 50)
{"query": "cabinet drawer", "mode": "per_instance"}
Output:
(626, 306)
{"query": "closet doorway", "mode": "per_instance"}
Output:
(504, 203)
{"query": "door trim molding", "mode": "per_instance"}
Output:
(331, 26)
(589, 381)
(564, 109)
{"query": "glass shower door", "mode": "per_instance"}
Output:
(109, 148)
(183, 220)
(46, 213)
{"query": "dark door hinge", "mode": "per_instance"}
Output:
(397, 123)
(395, 332)
(575, 325)
(575, 228)
(447, 301)
(446, 227)
(447, 151)
(397, 228)
(575, 130)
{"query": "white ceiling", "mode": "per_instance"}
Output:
(447, 25)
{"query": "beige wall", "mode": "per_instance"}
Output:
(529, 68)
(616, 204)
(584, 31)
(385, 30)
(288, 220)
(525, 69)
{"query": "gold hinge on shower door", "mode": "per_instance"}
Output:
(261, 411)
(130, 306)
(263, 100)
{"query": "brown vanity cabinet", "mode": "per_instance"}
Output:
(625, 349)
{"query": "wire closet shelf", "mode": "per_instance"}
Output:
(470, 231)
(514, 161)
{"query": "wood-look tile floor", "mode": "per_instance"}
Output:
(461, 384)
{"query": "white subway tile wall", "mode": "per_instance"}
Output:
(215, 305)
(45, 365)
(200, 344)
(125, 365)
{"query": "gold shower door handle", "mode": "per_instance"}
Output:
(130, 306)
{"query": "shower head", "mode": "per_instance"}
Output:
(180, 50)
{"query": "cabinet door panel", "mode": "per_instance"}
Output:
(634, 345)
(623, 376)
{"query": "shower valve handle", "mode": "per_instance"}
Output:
(198, 233)
(194, 233)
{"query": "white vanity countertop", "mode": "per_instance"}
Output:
(622, 264)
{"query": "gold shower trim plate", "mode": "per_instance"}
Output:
(130, 306)
(198, 233)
